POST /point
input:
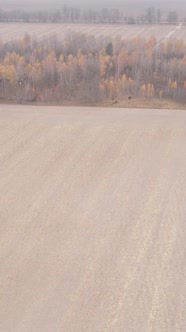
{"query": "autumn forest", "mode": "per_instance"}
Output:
(84, 69)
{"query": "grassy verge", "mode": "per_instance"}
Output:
(124, 103)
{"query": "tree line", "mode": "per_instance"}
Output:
(84, 69)
(75, 14)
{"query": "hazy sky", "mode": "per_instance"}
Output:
(113, 3)
(138, 5)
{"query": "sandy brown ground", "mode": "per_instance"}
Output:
(92, 220)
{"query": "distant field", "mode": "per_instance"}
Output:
(92, 219)
(9, 31)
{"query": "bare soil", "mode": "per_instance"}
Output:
(92, 219)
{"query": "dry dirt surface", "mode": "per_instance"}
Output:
(9, 31)
(92, 220)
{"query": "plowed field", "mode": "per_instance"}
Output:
(9, 31)
(92, 220)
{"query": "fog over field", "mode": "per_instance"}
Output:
(13, 31)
